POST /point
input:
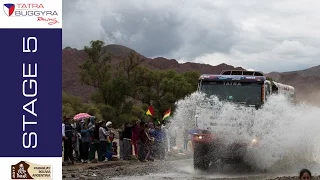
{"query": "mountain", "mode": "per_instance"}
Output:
(72, 58)
(307, 87)
(313, 71)
(306, 82)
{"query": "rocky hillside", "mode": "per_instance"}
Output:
(307, 87)
(313, 71)
(72, 58)
(306, 82)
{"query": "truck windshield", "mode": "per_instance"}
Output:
(238, 92)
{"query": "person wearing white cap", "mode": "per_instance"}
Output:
(108, 151)
(108, 124)
(103, 134)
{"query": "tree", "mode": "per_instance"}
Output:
(162, 88)
(71, 105)
(113, 88)
(192, 78)
(93, 110)
(130, 64)
(96, 70)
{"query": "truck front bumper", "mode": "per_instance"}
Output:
(217, 148)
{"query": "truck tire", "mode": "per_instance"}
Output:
(201, 160)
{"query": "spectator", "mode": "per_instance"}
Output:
(135, 137)
(95, 143)
(157, 142)
(68, 135)
(85, 140)
(305, 174)
(121, 148)
(127, 135)
(77, 143)
(152, 133)
(142, 142)
(103, 134)
(161, 142)
(109, 140)
(149, 142)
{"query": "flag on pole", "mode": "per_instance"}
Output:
(167, 114)
(150, 111)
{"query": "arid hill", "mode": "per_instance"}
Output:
(307, 87)
(306, 82)
(72, 58)
(313, 71)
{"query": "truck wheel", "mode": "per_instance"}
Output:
(201, 160)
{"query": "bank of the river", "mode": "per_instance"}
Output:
(172, 169)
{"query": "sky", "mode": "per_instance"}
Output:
(268, 35)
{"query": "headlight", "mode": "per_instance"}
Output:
(254, 141)
(198, 137)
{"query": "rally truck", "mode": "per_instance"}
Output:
(247, 89)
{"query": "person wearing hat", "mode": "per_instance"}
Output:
(68, 135)
(109, 140)
(108, 124)
(103, 134)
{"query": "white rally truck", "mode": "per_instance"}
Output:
(211, 136)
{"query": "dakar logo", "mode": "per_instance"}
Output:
(26, 170)
(19, 171)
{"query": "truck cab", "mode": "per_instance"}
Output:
(248, 89)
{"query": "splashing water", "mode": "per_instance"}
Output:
(289, 133)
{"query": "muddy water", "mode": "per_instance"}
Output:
(172, 170)
(183, 170)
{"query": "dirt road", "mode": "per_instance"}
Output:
(166, 170)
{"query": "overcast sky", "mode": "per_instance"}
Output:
(269, 35)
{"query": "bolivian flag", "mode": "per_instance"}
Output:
(167, 114)
(150, 111)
